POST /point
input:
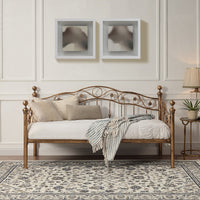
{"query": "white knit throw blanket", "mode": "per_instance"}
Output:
(106, 134)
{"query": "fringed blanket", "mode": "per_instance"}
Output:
(106, 134)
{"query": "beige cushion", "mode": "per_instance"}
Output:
(83, 112)
(61, 104)
(44, 111)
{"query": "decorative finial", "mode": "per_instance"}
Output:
(159, 87)
(34, 94)
(172, 103)
(25, 103)
(25, 109)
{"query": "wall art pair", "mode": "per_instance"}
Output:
(119, 39)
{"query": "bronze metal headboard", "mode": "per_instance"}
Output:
(124, 98)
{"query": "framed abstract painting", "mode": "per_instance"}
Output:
(120, 39)
(75, 39)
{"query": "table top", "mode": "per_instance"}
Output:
(190, 120)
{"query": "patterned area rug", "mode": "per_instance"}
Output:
(125, 179)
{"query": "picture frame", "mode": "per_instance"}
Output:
(75, 39)
(120, 39)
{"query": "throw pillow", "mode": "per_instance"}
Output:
(61, 105)
(44, 111)
(83, 112)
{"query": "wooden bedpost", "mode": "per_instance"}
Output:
(160, 112)
(25, 111)
(35, 145)
(172, 112)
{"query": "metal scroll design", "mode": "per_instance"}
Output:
(165, 114)
(30, 116)
(103, 93)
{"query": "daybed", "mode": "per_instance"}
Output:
(122, 102)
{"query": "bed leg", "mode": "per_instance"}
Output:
(160, 149)
(25, 155)
(35, 149)
(172, 155)
(172, 151)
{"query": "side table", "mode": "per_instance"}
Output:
(185, 121)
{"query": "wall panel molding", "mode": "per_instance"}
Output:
(17, 149)
(157, 45)
(1, 39)
(157, 40)
(34, 27)
(15, 97)
(40, 48)
(198, 31)
(165, 35)
(14, 91)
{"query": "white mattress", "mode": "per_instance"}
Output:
(77, 129)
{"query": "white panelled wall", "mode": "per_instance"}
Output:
(170, 42)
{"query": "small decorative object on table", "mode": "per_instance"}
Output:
(193, 109)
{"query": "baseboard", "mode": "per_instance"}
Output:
(85, 149)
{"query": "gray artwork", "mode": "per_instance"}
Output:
(75, 38)
(120, 38)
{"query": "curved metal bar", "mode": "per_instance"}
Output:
(119, 97)
(105, 87)
(121, 103)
